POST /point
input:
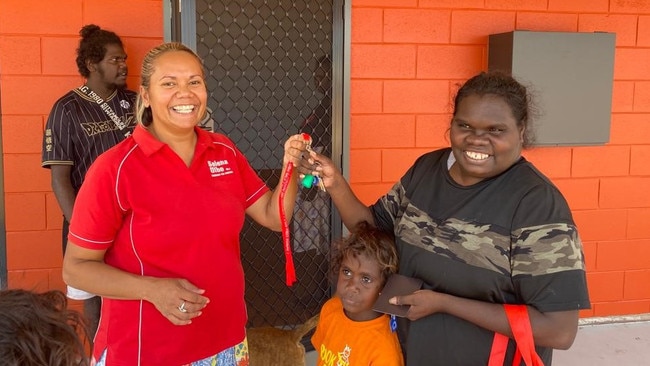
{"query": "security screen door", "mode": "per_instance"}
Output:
(269, 73)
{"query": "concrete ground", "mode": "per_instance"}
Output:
(600, 342)
(618, 344)
(311, 358)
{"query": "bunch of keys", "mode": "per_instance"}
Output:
(310, 180)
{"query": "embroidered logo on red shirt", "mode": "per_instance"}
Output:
(219, 168)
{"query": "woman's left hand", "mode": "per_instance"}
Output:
(422, 303)
(177, 299)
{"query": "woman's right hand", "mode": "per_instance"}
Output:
(352, 210)
(321, 166)
(177, 299)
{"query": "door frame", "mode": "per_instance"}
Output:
(180, 26)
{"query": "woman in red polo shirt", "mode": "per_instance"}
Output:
(172, 286)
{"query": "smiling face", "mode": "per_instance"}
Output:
(359, 282)
(485, 138)
(177, 93)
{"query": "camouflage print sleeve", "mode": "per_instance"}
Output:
(390, 207)
(546, 249)
(546, 257)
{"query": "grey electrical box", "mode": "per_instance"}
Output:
(571, 75)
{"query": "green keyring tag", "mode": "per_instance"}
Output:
(308, 181)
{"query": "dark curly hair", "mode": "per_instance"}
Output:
(503, 85)
(92, 46)
(364, 239)
(38, 329)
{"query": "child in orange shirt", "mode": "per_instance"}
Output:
(349, 332)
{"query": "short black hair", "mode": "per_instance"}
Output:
(505, 86)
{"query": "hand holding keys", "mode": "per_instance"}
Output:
(310, 180)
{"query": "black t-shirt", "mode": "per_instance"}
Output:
(507, 239)
(79, 129)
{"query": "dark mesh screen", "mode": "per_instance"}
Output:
(268, 65)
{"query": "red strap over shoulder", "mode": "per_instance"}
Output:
(523, 335)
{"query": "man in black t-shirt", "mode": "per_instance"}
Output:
(84, 123)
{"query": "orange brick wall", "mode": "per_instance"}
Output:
(407, 57)
(38, 40)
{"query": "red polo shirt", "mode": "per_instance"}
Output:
(157, 217)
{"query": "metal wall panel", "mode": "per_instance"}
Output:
(571, 75)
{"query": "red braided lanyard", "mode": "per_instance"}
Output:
(286, 238)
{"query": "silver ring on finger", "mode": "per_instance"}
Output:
(182, 308)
